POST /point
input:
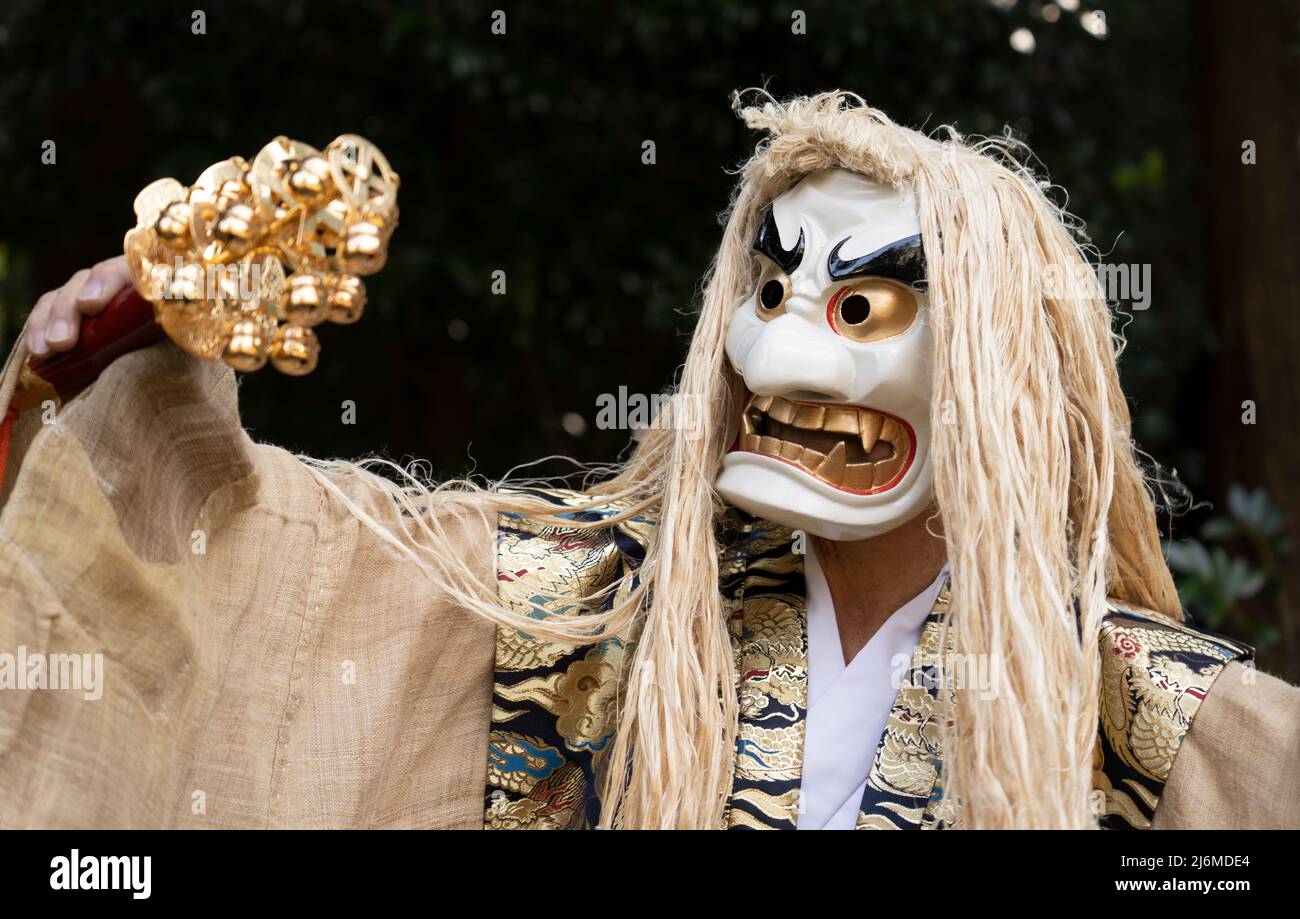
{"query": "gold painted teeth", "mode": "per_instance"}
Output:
(846, 420)
(831, 467)
(838, 419)
(871, 427)
(782, 411)
(809, 417)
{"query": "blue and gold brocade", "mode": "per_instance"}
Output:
(554, 704)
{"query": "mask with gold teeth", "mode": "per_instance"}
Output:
(834, 349)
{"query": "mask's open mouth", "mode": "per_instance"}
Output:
(848, 447)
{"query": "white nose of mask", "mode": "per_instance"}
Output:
(791, 355)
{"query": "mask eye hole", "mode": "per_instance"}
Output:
(772, 293)
(855, 309)
(872, 309)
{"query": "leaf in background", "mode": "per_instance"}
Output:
(1217, 529)
(1191, 557)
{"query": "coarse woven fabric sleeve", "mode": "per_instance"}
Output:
(1239, 766)
(266, 660)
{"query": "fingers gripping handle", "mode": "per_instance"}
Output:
(126, 325)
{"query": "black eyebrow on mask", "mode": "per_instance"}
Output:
(903, 260)
(768, 242)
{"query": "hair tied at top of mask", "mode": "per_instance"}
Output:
(829, 130)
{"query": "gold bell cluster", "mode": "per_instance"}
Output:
(241, 265)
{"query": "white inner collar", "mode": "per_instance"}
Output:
(848, 705)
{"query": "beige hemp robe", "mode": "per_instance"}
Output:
(225, 702)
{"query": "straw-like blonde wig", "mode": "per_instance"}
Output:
(1045, 508)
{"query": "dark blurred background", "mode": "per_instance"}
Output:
(522, 152)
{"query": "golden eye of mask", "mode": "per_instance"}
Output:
(772, 293)
(872, 309)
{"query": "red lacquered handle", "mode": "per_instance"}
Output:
(125, 325)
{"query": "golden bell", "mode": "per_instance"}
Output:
(186, 285)
(304, 301)
(237, 228)
(362, 250)
(309, 181)
(229, 287)
(335, 215)
(156, 280)
(232, 191)
(248, 348)
(346, 296)
(173, 225)
(295, 350)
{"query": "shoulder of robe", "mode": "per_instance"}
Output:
(1155, 673)
(577, 505)
(1237, 767)
(541, 562)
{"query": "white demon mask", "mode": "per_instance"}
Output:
(834, 348)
